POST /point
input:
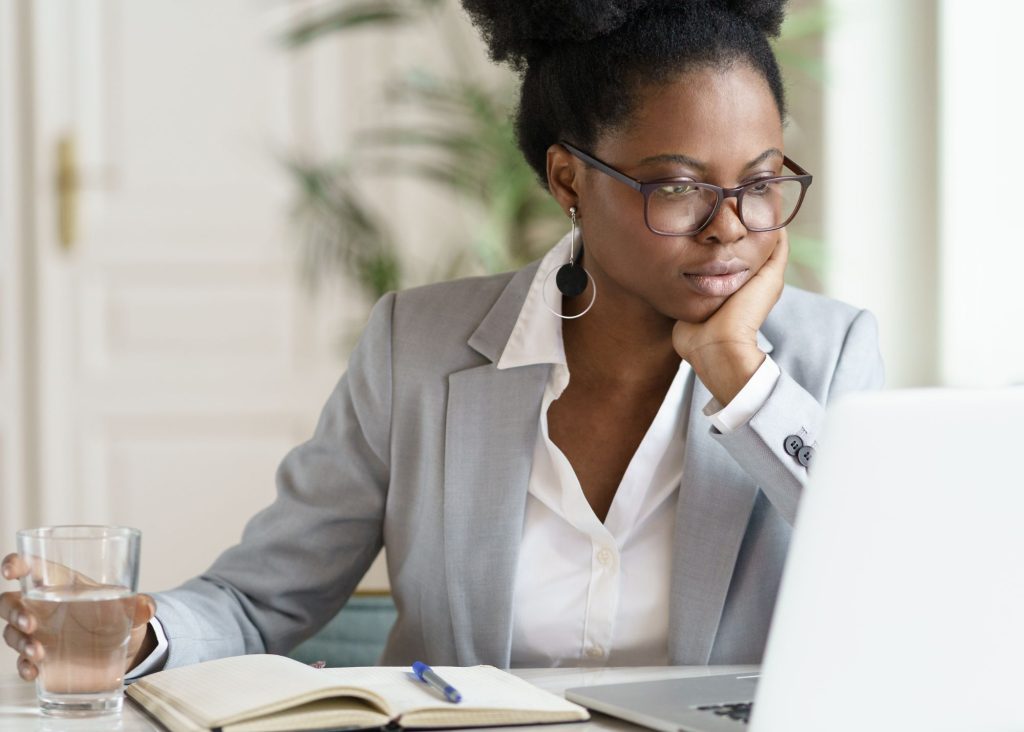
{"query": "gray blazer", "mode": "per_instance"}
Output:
(425, 447)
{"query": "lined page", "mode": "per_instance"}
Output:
(226, 690)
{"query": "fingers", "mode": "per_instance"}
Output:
(780, 254)
(24, 644)
(762, 291)
(21, 640)
(17, 634)
(30, 652)
(781, 251)
(14, 567)
(14, 638)
(12, 610)
(26, 669)
(145, 609)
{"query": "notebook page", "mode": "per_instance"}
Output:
(227, 690)
(483, 689)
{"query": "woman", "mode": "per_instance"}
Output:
(596, 459)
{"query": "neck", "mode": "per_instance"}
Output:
(620, 342)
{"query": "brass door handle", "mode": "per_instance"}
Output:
(67, 192)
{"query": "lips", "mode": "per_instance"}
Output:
(718, 279)
(718, 268)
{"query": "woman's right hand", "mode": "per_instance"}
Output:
(22, 624)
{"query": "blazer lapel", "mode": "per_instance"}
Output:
(716, 497)
(491, 428)
(489, 440)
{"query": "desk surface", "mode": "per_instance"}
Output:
(18, 709)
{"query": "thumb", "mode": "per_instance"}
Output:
(145, 609)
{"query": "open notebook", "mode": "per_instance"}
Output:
(265, 693)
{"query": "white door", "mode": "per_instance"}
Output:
(12, 333)
(178, 357)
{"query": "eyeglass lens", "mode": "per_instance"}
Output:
(680, 208)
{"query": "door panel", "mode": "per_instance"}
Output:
(181, 356)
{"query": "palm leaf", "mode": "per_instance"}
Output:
(346, 17)
(341, 232)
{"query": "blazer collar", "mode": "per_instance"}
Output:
(492, 334)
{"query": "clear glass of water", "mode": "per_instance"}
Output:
(81, 589)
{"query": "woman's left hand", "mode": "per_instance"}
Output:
(723, 349)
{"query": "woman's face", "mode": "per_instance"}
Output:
(716, 126)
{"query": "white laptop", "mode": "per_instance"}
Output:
(902, 603)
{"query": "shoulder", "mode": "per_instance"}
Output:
(455, 304)
(811, 333)
(800, 312)
(430, 327)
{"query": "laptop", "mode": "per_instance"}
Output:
(902, 602)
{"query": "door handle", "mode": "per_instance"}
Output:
(67, 192)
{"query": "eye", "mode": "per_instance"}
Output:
(675, 190)
(759, 188)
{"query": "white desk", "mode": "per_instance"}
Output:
(18, 709)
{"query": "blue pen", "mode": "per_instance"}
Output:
(426, 674)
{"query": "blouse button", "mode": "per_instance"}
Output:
(605, 557)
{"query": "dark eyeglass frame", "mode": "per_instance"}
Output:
(646, 187)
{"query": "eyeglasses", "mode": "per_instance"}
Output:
(683, 207)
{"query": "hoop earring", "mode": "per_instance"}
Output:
(571, 279)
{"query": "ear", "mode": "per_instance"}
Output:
(565, 177)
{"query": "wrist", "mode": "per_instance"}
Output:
(147, 643)
(725, 369)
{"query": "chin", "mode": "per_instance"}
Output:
(696, 312)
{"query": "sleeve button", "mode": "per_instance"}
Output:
(793, 444)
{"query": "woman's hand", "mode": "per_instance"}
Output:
(723, 349)
(22, 624)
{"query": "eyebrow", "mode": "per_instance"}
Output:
(769, 153)
(698, 165)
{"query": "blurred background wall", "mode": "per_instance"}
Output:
(199, 201)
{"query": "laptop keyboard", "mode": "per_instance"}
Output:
(740, 711)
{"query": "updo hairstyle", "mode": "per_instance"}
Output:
(583, 63)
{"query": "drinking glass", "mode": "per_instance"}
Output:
(81, 589)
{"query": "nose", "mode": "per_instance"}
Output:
(725, 226)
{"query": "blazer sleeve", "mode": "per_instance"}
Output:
(758, 446)
(300, 559)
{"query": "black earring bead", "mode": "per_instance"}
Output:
(571, 280)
